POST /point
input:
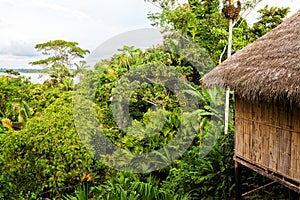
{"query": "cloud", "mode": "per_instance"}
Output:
(9, 3)
(10, 61)
(3, 23)
(89, 23)
(19, 48)
(139, 38)
(67, 11)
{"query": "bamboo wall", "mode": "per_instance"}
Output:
(268, 136)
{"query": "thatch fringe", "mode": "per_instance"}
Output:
(268, 69)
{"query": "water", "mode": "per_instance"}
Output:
(36, 78)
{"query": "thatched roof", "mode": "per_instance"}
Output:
(268, 69)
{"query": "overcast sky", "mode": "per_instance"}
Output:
(24, 23)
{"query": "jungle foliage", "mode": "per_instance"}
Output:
(43, 157)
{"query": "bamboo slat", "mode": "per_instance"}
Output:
(284, 147)
(295, 152)
(247, 130)
(274, 138)
(268, 135)
(239, 127)
(257, 135)
(265, 132)
(295, 146)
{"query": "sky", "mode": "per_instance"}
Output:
(90, 23)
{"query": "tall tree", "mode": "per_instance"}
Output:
(231, 12)
(62, 55)
(202, 21)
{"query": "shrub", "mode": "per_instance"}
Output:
(206, 177)
(46, 159)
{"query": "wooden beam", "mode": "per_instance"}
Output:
(271, 175)
(257, 189)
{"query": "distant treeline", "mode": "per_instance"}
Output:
(22, 70)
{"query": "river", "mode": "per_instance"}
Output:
(38, 78)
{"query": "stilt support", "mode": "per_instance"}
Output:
(238, 181)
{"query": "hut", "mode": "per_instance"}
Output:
(265, 78)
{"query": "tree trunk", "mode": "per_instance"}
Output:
(228, 89)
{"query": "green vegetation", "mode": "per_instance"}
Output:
(61, 60)
(43, 157)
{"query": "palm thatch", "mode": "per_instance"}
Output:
(266, 70)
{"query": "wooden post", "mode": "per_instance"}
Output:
(238, 181)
